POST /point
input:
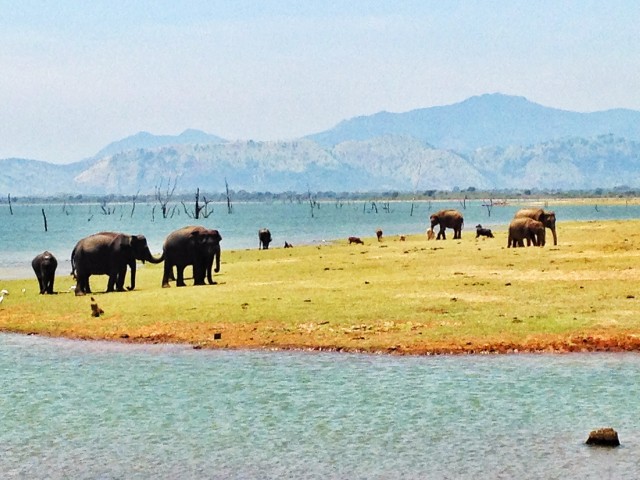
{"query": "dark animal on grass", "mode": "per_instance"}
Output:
(448, 219)
(194, 246)
(264, 236)
(483, 232)
(525, 228)
(287, 245)
(547, 217)
(379, 234)
(44, 265)
(109, 253)
(355, 240)
(96, 311)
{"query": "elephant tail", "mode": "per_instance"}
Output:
(73, 264)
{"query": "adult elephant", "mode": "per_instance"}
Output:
(109, 253)
(548, 218)
(448, 219)
(525, 228)
(44, 265)
(192, 245)
(264, 237)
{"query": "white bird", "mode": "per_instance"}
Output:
(24, 290)
(72, 288)
(1, 298)
(4, 292)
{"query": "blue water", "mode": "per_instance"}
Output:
(22, 234)
(99, 410)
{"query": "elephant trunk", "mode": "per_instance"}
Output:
(555, 238)
(151, 259)
(133, 275)
(217, 260)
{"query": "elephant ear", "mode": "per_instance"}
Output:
(137, 240)
(125, 240)
(195, 236)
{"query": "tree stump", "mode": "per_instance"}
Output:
(606, 437)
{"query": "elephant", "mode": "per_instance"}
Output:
(108, 253)
(44, 265)
(192, 245)
(448, 219)
(526, 228)
(264, 236)
(545, 216)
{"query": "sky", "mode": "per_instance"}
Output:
(77, 75)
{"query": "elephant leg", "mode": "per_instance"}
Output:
(113, 278)
(132, 267)
(82, 284)
(49, 288)
(167, 275)
(198, 274)
(180, 276)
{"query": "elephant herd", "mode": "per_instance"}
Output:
(528, 224)
(110, 253)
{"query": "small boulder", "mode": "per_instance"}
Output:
(607, 437)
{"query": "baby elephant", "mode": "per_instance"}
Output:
(483, 232)
(44, 265)
(355, 240)
(264, 237)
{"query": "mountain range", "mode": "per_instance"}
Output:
(491, 141)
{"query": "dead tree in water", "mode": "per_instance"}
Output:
(312, 201)
(229, 207)
(45, 221)
(10, 207)
(164, 198)
(200, 210)
(133, 207)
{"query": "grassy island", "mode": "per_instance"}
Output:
(401, 296)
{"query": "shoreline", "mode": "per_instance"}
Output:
(578, 345)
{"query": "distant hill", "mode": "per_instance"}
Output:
(487, 142)
(146, 140)
(491, 120)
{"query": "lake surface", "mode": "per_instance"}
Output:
(99, 410)
(22, 234)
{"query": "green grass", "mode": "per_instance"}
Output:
(410, 296)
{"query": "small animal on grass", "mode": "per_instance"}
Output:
(402, 238)
(379, 234)
(355, 240)
(287, 245)
(430, 234)
(96, 311)
(44, 265)
(483, 232)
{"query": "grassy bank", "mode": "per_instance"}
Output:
(395, 296)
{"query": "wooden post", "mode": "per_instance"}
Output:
(10, 207)
(45, 220)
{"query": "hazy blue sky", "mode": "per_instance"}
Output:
(76, 75)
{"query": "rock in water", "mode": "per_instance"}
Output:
(607, 437)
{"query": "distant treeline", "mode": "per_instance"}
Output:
(470, 193)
